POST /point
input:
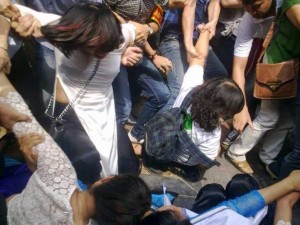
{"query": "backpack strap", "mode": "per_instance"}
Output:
(187, 100)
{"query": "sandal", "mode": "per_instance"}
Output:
(242, 166)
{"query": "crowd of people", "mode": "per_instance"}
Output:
(190, 66)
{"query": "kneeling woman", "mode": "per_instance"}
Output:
(205, 104)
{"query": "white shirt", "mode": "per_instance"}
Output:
(225, 216)
(250, 28)
(208, 142)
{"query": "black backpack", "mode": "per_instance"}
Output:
(167, 141)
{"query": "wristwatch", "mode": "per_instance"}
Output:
(150, 29)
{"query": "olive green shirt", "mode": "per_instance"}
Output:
(286, 42)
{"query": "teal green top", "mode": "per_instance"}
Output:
(286, 42)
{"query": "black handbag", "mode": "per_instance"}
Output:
(54, 125)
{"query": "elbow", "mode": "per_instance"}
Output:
(224, 4)
(297, 25)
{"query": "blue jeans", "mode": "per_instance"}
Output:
(146, 77)
(223, 47)
(122, 96)
(172, 49)
(213, 67)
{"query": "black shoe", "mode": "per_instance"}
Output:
(273, 169)
(188, 173)
(154, 167)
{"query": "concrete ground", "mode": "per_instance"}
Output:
(187, 191)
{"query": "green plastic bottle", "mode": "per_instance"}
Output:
(188, 124)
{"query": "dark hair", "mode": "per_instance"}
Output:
(247, 2)
(166, 217)
(85, 25)
(215, 98)
(122, 200)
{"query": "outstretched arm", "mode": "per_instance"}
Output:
(282, 188)
(50, 156)
(201, 48)
(188, 16)
(284, 207)
(4, 58)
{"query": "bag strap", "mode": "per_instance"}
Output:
(82, 89)
(266, 41)
(187, 99)
(270, 34)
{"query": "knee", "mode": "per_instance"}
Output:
(88, 169)
(162, 97)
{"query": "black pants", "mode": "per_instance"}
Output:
(84, 156)
(213, 194)
(3, 211)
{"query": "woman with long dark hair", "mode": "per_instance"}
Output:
(89, 43)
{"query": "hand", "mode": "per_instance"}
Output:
(5, 64)
(131, 56)
(142, 32)
(26, 26)
(163, 64)
(9, 10)
(210, 26)
(27, 142)
(241, 119)
(10, 116)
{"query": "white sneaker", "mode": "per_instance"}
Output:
(134, 140)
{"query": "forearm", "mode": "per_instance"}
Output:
(148, 49)
(10, 97)
(277, 190)
(201, 48)
(247, 205)
(4, 31)
(231, 3)
(214, 9)
(154, 26)
(188, 17)
(238, 71)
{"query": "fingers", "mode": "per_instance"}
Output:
(167, 66)
(251, 124)
(27, 142)
(23, 118)
(24, 25)
(200, 27)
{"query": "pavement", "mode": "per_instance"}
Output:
(187, 191)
